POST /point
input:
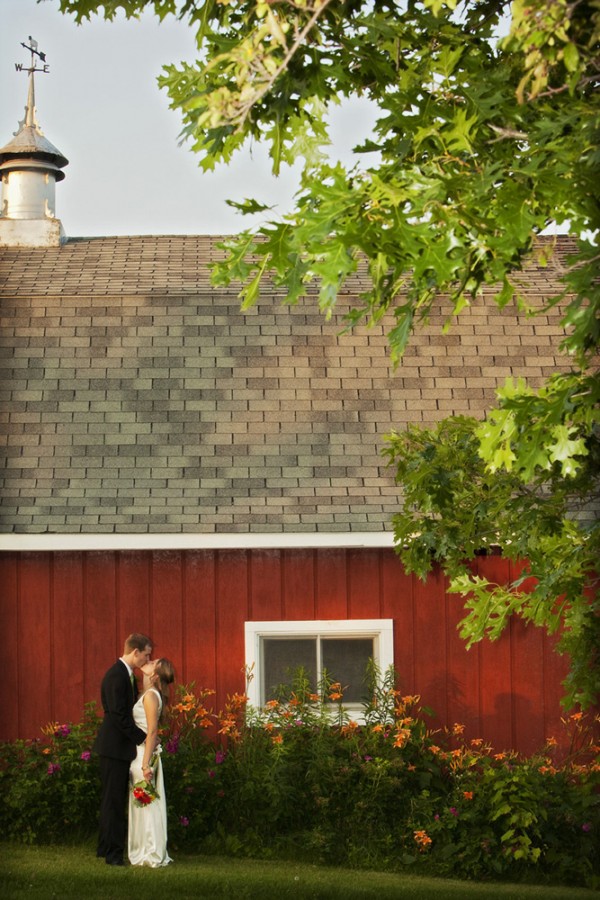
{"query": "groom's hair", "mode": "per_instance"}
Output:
(137, 641)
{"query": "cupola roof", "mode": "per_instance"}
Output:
(29, 141)
(30, 166)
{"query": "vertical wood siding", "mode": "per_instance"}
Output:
(64, 617)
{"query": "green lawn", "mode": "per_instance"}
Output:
(73, 873)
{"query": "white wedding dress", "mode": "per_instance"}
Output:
(147, 832)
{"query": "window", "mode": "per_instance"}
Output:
(275, 650)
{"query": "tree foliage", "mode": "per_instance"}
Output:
(455, 506)
(488, 118)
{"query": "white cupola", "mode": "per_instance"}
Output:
(30, 166)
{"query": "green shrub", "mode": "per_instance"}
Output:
(298, 779)
(51, 786)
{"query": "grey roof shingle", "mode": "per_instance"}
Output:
(136, 397)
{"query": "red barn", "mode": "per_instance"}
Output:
(214, 477)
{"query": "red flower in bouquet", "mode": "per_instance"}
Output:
(144, 793)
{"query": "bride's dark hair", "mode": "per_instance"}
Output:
(165, 672)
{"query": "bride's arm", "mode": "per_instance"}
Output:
(151, 708)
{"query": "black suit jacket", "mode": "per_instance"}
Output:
(118, 736)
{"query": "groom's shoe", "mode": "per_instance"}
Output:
(115, 862)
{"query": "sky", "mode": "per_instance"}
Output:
(101, 107)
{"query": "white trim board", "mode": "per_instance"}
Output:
(241, 541)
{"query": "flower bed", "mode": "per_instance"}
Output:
(300, 779)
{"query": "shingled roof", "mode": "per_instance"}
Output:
(136, 397)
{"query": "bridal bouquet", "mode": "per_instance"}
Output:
(144, 793)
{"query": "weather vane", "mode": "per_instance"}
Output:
(32, 46)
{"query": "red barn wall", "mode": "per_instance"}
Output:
(65, 614)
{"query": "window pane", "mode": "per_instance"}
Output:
(346, 660)
(283, 657)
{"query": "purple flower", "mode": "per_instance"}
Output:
(454, 810)
(587, 826)
(86, 755)
(211, 773)
(172, 745)
(183, 820)
(368, 758)
(62, 731)
(437, 817)
(220, 757)
(53, 768)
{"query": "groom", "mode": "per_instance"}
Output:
(116, 745)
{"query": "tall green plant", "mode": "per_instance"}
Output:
(50, 787)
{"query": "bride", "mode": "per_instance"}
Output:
(147, 833)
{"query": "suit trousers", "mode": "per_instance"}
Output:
(114, 776)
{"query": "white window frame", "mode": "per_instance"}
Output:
(381, 630)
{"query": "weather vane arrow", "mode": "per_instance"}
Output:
(32, 46)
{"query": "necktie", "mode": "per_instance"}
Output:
(132, 677)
